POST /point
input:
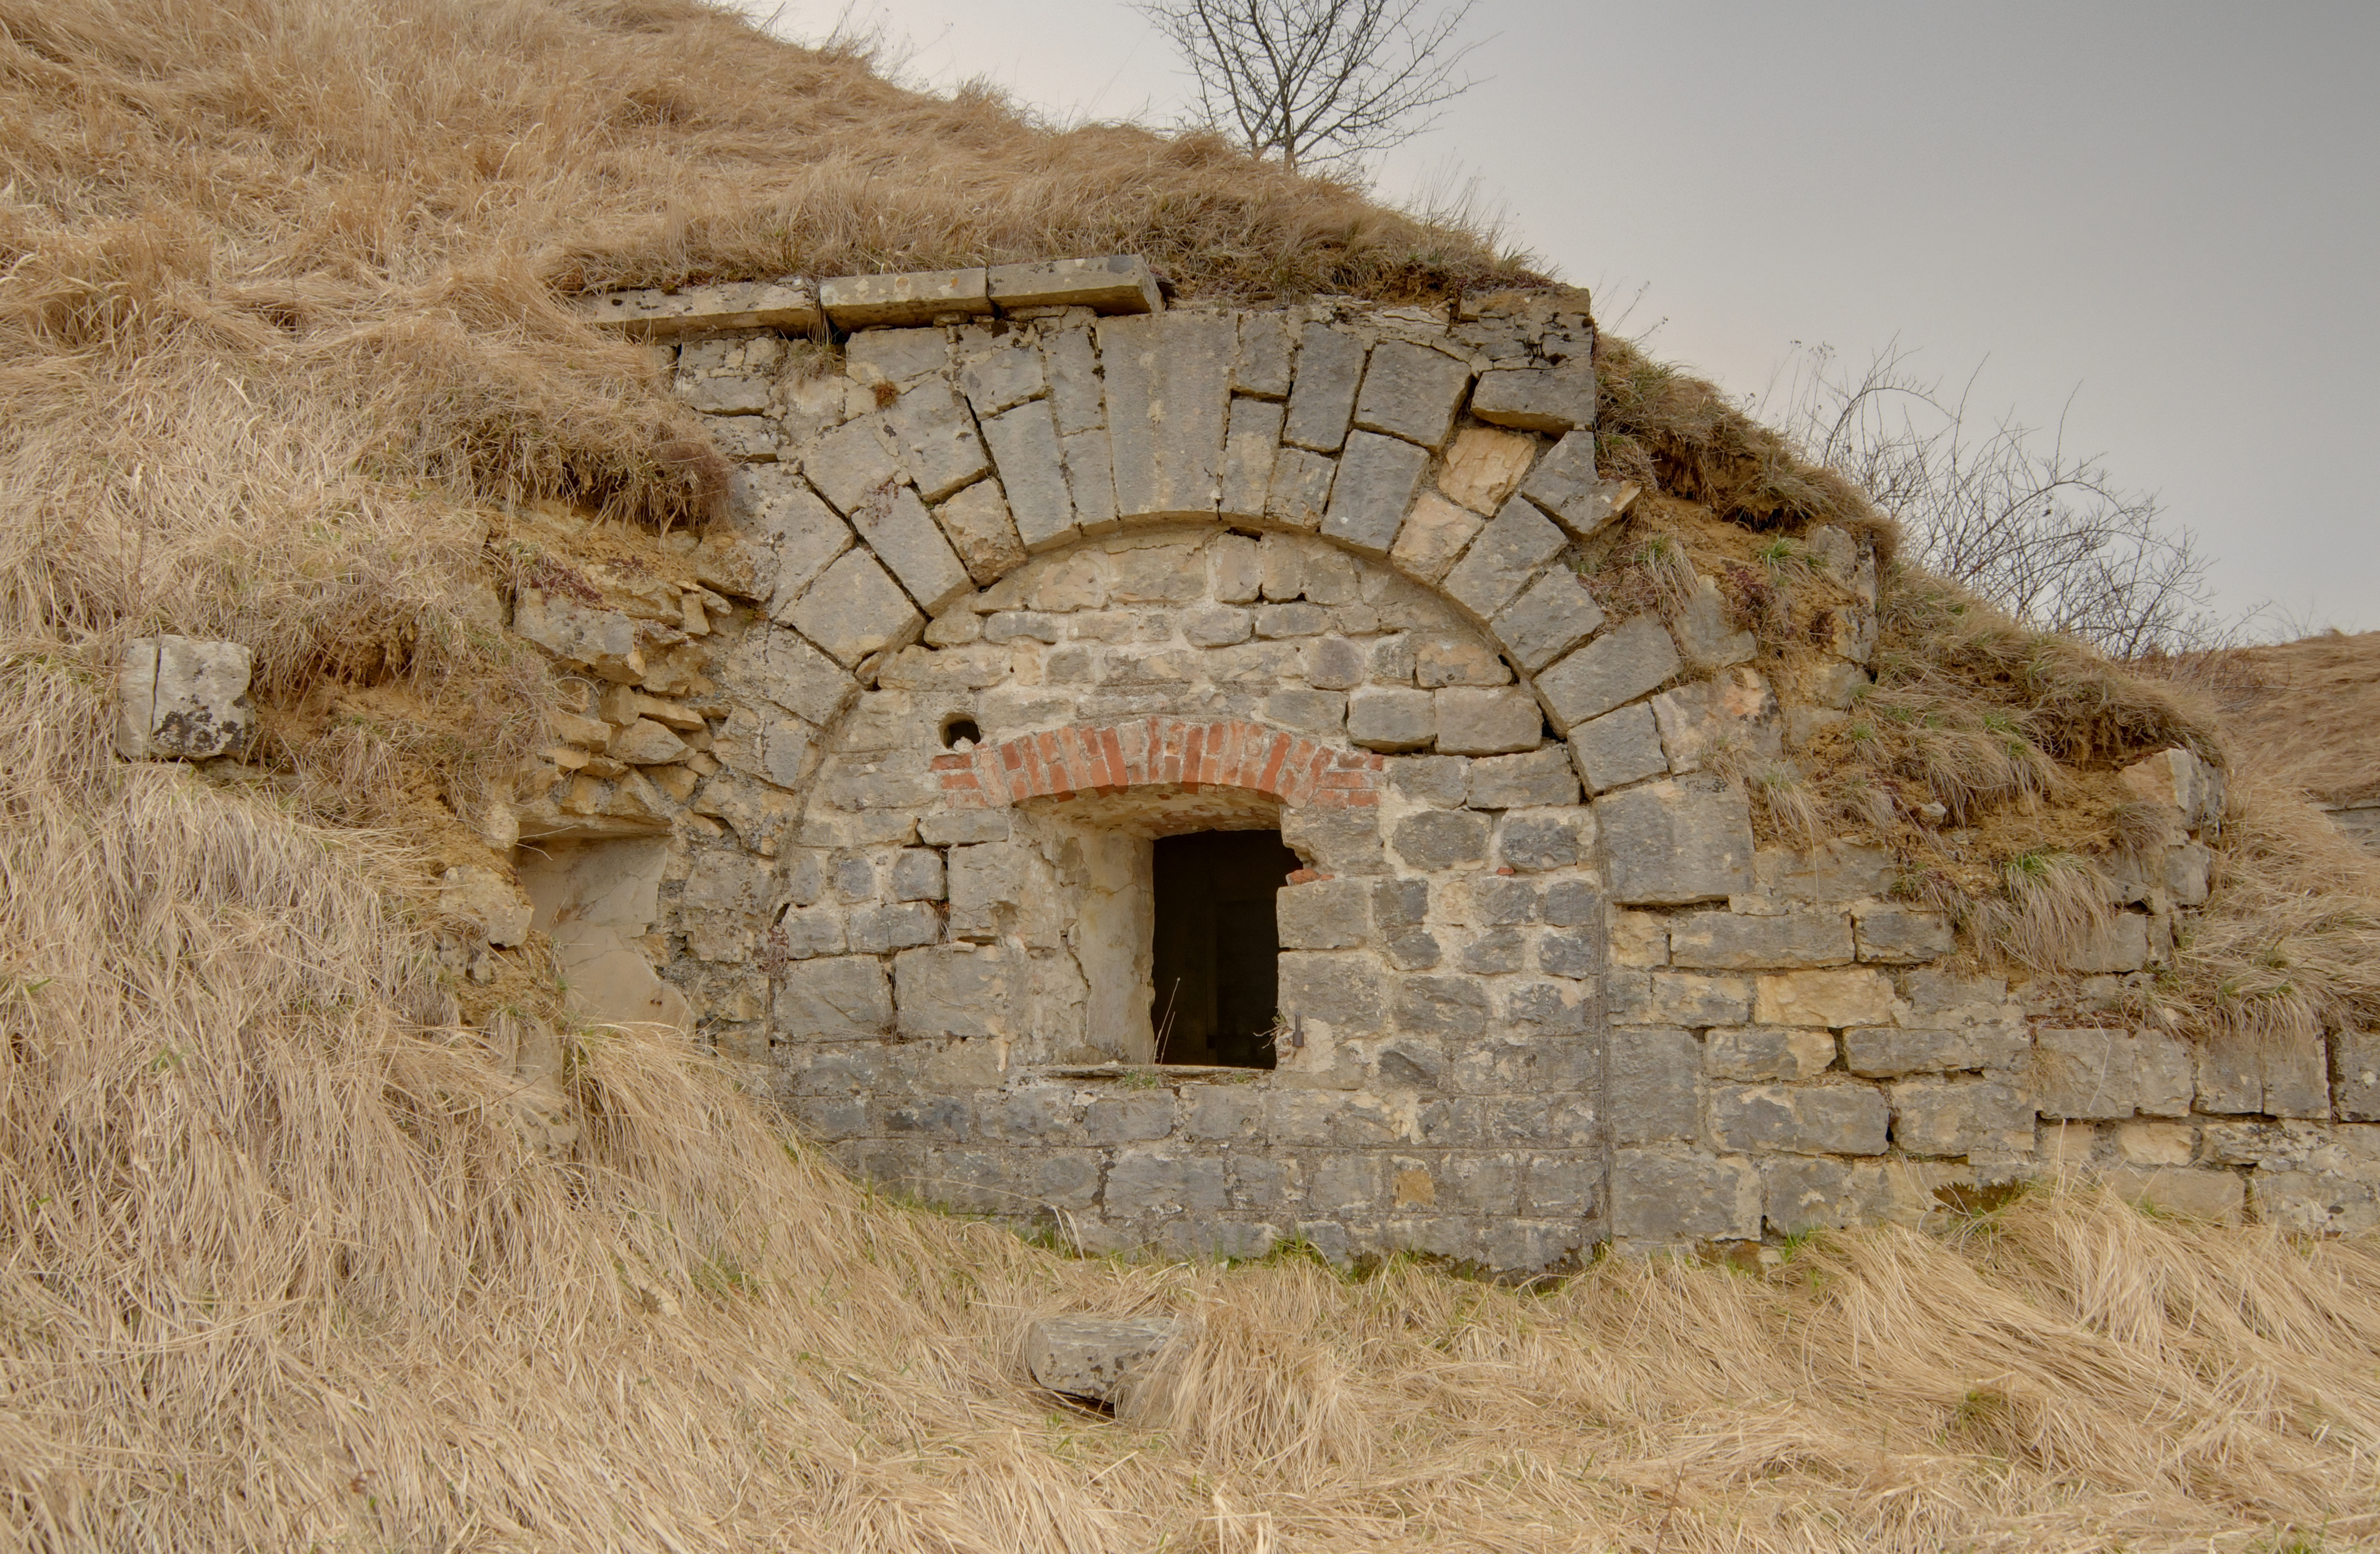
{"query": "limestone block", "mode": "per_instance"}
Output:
(2188, 874)
(2355, 1075)
(1144, 1183)
(1674, 1194)
(1075, 392)
(604, 641)
(744, 438)
(1322, 914)
(855, 459)
(772, 665)
(2151, 1144)
(1262, 367)
(1550, 399)
(895, 355)
(1706, 637)
(797, 533)
(1330, 367)
(917, 874)
(1615, 667)
(1675, 843)
(1251, 440)
(1168, 393)
(1726, 941)
(1437, 781)
(1306, 712)
(487, 898)
(1482, 468)
(987, 882)
(646, 742)
(896, 301)
(1847, 1119)
(1734, 712)
(1550, 617)
(606, 979)
(1024, 443)
(1090, 480)
(1216, 625)
(2120, 945)
(1960, 1116)
(1654, 1069)
(1412, 949)
(1457, 659)
(1699, 1000)
(1378, 476)
(2085, 1074)
(1333, 663)
(1534, 840)
(1501, 901)
(1475, 721)
(2277, 1075)
(1434, 534)
(879, 931)
(842, 998)
(855, 609)
(1340, 988)
(1900, 936)
(1853, 996)
(1412, 391)
(648, 313)
(1789, 1052)
(1838, 870)
(1637, 938)
(1335, 841)
(2329, 1185)
(1618, 748)
(1451, 1006)
(729, 374)
(1496, 949)
(960, 989)
(184, 698)
(1300, 487)
(2181, 782)
(1502, 558)
(2219, 1196)
(1815, 1195)
(1886, 1051)
(1515, 781)
(935, 435)
(1564, 483)
(981, 530)
(1441, 839)
(1113, 284)
(1400, 903)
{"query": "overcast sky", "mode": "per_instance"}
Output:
(2159, 219)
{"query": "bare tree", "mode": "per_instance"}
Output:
(1318, 80)
(2003, 507)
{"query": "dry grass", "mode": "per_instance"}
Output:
(283, 1273)
(280, 1268)
(1666, 430)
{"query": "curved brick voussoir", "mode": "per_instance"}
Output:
(1162, 752)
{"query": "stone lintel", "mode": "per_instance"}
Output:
(653, 314)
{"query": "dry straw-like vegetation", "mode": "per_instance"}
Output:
(279, 1265)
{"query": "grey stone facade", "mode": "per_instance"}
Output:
(1024, 586)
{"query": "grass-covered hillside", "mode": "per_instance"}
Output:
(284, 1264)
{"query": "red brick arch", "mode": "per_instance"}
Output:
(1180, 752)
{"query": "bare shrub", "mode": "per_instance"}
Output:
(2002, 507)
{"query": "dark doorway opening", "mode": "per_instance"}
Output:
(1216, 946)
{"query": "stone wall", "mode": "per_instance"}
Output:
(1013, 589)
